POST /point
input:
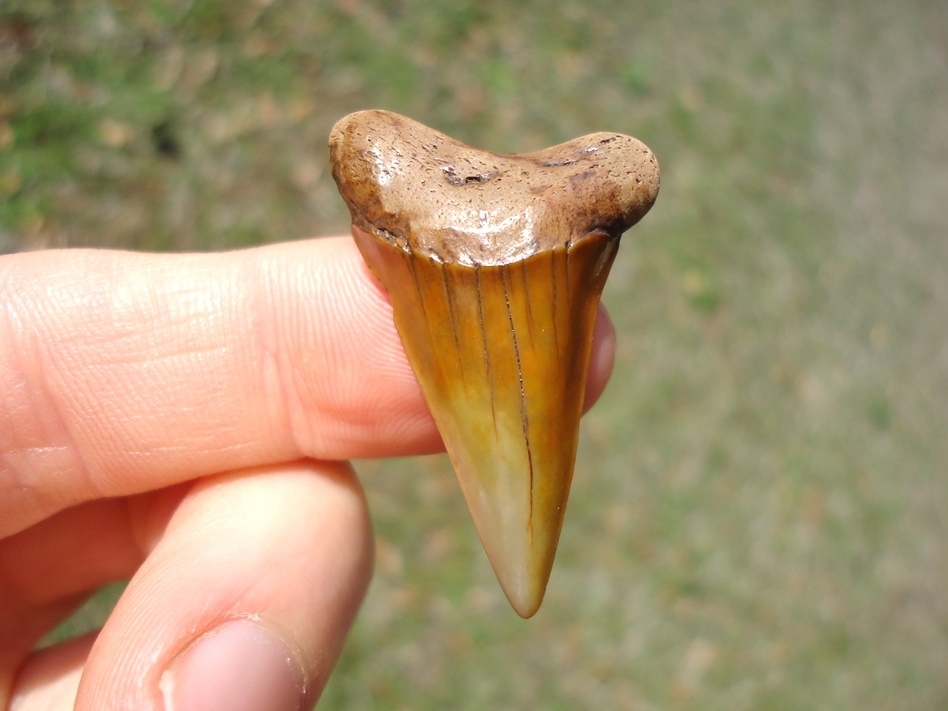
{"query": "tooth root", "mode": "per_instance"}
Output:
(500, 343)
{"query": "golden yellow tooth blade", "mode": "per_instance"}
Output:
(495, 265)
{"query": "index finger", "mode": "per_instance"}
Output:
(123, 372)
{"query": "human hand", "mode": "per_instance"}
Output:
(184, 420)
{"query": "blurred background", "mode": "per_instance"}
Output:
(760, 509)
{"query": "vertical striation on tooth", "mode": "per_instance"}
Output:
(495, 265)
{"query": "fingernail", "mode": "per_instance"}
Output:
(239, 665)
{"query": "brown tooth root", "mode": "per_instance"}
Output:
(495, 265)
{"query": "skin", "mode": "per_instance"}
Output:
(185, 421)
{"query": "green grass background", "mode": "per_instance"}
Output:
(760, 510)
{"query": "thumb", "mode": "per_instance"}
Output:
(246, 599)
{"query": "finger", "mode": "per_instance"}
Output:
(125, 372)
(122, 372)
(22, 626)
(49, 569)
(602, 359)
(82, 548)
(245, 599)
(45, 574)
(50, 679)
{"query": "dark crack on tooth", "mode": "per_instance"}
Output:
(452, 315)
(524, 418)
(418, 290)
(487, 364)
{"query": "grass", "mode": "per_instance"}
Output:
(758, 513)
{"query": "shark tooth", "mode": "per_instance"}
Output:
(495, 265)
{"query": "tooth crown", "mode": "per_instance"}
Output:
(495, 265)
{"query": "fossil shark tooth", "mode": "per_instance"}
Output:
(495, 265)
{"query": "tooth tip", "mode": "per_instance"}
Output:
(524, 587)
(521, 561)
(527, 606)
(519, 523)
